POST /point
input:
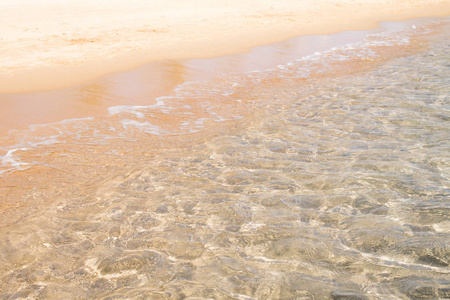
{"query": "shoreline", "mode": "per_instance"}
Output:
(142, 86)
(65, 51)
(264, 185)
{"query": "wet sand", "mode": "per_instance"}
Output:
(56, 57)
(143, 85)
(53, 44)
(324, 178)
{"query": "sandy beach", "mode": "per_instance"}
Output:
(168, 149)
(53, 44)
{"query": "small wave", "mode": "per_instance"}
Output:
(195, 105)
(143, 126)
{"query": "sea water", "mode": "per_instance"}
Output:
(325, 177)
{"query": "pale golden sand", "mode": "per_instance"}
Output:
(51, 43)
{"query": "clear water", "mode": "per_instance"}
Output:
(325, 178)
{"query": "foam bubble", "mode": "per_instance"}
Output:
(10, 163)
(8, 158)
(143, 126)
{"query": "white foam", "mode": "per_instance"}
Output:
(200, 121)
(143, 126)
(135, 109)
(10, 164)
(63, 122)
(350, 51)
(8, 160)
(115, 110)
(229, 83)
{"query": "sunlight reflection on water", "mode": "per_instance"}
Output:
(327, 187)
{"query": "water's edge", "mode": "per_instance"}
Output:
(326, 177)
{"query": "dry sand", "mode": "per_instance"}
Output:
(49, 44)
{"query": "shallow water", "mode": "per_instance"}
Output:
(140, 86)
(327, 177)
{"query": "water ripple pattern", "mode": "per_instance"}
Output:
(338, 188)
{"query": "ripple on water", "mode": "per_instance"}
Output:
(334, 187)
